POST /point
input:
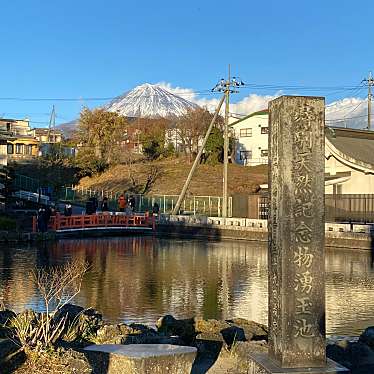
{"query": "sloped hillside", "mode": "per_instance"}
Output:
(173, 172)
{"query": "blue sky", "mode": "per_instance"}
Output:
(78, 49)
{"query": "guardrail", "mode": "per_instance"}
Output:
(78, 222)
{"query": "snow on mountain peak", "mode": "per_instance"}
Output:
(149, 100)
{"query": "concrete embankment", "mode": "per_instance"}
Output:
(353, 236)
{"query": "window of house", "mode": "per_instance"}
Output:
(19, 148)
(245, 155)
(264, 152)
(264, 130)
(28, 150)
(8, 127)
(245, 132)
(10, 149)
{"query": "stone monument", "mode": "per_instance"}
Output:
(296, 260)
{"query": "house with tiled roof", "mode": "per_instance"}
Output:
(349, 164)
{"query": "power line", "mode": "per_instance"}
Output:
(321, 88)
(201, 92)
(343, 119)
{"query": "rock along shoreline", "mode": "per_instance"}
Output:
(221, 344)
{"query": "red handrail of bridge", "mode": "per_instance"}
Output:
(60, 222)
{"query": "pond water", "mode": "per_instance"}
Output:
(139, 279)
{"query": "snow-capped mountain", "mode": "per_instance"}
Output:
(148, 100)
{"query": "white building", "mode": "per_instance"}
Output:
(251, 138)
(349, 153)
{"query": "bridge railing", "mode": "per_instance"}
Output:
(60, 222)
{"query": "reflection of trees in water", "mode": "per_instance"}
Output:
(15, 277)
(141, 278)
(130, 277)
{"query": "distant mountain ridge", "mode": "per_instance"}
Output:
(153, 101)
(146, 100)
(68, 128)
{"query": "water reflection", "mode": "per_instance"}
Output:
(141, 278)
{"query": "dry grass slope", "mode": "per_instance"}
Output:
(206, 181)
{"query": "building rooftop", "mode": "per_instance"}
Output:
(45, 131)
(354, 145)
(13, 120)
(263, 112)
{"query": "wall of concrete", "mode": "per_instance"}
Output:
(353, 236)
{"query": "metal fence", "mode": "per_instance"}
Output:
(349, 208)
(206, 205)
(338, 208)
(25, 183)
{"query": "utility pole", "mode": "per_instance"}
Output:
(227, 87)
(226, 146)
(52, 125)
(370, 83)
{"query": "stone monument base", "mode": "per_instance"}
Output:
(141, 358)
(260, 363)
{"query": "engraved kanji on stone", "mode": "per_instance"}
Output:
(303, 141)
(303, 185)
(303, 329)
(303, 305)
(303, 163)
(302, 257)
(303, 209)
(304, 282)
(303, 233)
(304, 117)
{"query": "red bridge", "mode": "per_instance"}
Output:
(79, 222)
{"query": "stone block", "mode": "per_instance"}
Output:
(141, 358)
(362, 228)
(260, 363)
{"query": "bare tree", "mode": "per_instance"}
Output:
(153, 173)
(191, 128)
(57, 287)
